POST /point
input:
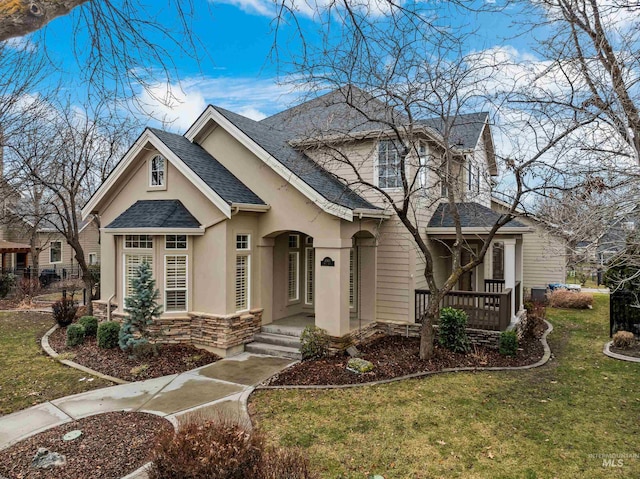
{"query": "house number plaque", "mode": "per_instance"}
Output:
(327, 262)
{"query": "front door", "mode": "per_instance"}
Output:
(467, 281)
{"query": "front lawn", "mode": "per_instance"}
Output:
(27, 375)
(550, 422)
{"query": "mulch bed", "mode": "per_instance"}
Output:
(395, 356)
(112, 445)
(633, 351)
(172, 358)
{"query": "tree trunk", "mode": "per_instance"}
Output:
(427, 336)
(87, 278)
(35, 263)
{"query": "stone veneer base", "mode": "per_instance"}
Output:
(223, 334)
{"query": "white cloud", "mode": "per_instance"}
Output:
(176, 107)
(311, 8)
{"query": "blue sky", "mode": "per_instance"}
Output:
(236, 70)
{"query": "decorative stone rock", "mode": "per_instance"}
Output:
(353, 351)
(44, 459)
(359, 365)
(71, 435)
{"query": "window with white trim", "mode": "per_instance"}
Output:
(242, 282)
(294, 241)
(243, 242)
(243, 271)
(131, 264)
(157, 171)
(175, 242)
(423, 164)
(352, 278)
(93, 259)
(292, 279)
(389, 165)
(55, 252)
(175, 283)
(138, 242)
(309, 258)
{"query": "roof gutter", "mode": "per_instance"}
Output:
(251, 207)
(371, 213)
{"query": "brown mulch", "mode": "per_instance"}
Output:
(172, 358)
(633, 351)
(396, 356)
(112, 445)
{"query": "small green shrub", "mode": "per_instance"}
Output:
(90, 324)
(108, 334)
(75, 335)
(64, 311)
(452, 332)
(623, 339)
(315, 343)
(508, 343)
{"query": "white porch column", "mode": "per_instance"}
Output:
(264, 298)
(510, 271)
(520, 272)
(332, 285)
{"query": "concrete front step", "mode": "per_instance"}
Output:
(278, 339)
(282, 330)
(273, 350)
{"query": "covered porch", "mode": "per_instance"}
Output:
(492, 309)
(324, 282)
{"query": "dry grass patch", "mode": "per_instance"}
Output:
(561, 298)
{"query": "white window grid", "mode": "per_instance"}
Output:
(131, 263)
(388, 165)
(55, 252)
(175, 283)
(309, 268)
(175, 242)
(243, 272)
(156, 170)
(292, 280)
(243, 242)
(138, 242)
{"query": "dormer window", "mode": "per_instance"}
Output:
(389, 165)
(157, 171)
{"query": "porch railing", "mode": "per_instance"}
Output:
(490, 311)
(497, 286)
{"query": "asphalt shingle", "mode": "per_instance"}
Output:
(156, 214)
(472, 215)
(464, 129)
(276, 143)
(210, 170)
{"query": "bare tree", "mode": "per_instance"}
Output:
(118, 46)
(405, 78)
(64, 156)
(591, 47)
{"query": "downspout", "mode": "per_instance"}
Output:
(109, 306)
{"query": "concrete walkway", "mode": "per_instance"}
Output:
(218, 388)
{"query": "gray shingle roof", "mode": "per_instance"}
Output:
(156, 214)
(472, 215)
(333, 114)
(465, 129)
(275, 142)
(210, 170)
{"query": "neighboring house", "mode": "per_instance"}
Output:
(245, 224)
(55, 253)
(544, 252)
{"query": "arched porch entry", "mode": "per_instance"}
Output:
(329, 283)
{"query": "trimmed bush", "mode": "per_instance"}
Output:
(222, 450)
(75, 335)
(561, 298)
(108, 334)
(90, 324)
(623, 339)
(315, 343)
(508, 343)
(64, 311)
(452, 332)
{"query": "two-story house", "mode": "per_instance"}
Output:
(250, 223)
